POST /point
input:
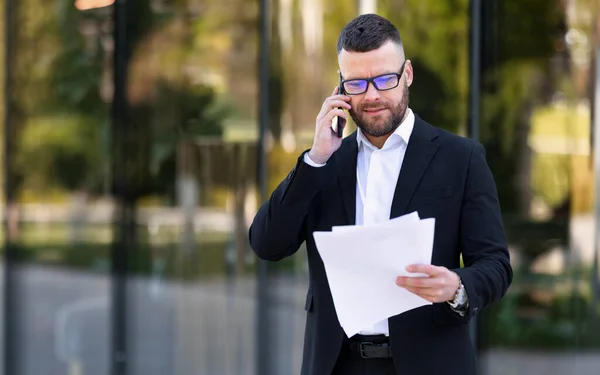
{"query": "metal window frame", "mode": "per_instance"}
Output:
(10, 296)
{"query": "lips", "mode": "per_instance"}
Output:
(372, 111)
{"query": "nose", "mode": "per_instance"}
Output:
(372, 94)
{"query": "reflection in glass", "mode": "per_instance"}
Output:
(60, 221)
(536, 127)
(304, 71)
(192, 95)
(190, 142)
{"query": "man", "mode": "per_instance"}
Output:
(395, 163)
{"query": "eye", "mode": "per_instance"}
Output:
(387, 81)
(354, 84)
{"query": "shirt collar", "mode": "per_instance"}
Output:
(402, 133)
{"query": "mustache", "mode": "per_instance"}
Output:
(367, 106)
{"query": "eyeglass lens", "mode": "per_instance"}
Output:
(359, 86)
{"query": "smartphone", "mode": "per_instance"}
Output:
(340, 120)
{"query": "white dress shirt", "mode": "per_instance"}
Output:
(377, 172)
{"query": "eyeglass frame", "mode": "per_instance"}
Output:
(372, 81)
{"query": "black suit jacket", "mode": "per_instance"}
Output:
(443, 176)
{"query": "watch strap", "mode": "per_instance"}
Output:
(460, 295)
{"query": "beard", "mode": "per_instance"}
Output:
(378, 126)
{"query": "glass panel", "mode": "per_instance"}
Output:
(304, 72)
(60, 218)
(537, 75)
(192, 92)
(3, 274)
(438, 50)
(305, 52)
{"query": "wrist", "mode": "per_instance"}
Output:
(315, 157)
(456, 283)
(460, 297)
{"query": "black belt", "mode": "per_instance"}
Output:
(369, 349)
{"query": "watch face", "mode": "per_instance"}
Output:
(462, 296)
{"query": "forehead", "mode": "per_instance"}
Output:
(386, 59)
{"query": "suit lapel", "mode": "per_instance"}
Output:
(421, 149)
(346, 158)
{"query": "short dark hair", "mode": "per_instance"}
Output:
(367, 32)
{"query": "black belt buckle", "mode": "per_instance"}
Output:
(377, 350)
(362, 349)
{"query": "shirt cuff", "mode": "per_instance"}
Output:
(309, 161)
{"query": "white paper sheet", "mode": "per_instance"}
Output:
(412, 217)
(362, 263)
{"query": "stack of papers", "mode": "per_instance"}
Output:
(362, 263)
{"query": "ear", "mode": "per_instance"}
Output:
(408, 73)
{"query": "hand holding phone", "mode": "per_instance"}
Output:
(327, 139)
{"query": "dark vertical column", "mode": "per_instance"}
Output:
(124, 210)
(596, 152)
(10, 296)
(474, 97)
(262, 329)
(474, 68)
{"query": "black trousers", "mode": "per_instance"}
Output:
(350, 361)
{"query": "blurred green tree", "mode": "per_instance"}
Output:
(63, 99)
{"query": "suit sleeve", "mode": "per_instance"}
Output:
(278, 229)
(487, 272)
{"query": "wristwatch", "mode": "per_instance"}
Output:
(460, 297)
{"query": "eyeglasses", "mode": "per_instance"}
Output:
(383, 82)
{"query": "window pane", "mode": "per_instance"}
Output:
(537, 78)
(435, 37)
(304, 72)
(60, 221)
(192, 93)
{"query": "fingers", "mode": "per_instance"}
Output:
(426, 268)
(440, 286)
(431, 295)
(341, 98)
(420, 282)
(330, 105)
(326, 141)
(338, 103)
(333, 101)
(333, 113)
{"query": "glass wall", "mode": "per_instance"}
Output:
(192, 94)
(439, 52)
(537, 79)
(4, 297)
(303, 72)
(57, 207)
